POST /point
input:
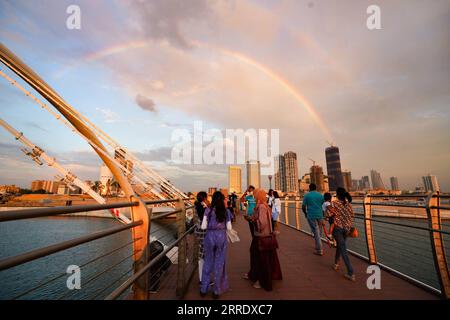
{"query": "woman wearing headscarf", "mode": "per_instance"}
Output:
(264, 263)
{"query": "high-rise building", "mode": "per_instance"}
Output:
(356, 184)
(430, 183)
(280, 173)
(334, 168)
(290, 161)
(365, 183)
(377, 182)
(394, 184)
(253, 174)
(235, 179)
(347, 179)
(317, 177)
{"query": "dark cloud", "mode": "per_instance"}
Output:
(145, 103)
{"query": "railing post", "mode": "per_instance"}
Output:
(297, 213)
(437, 243)
(195, 221)
(181, 224)
(141, 255)
(368, 227)
(286, 210)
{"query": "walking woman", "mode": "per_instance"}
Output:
(216, 221)
(343, 222)
(276, 210)
(264, 264)
(200, 206)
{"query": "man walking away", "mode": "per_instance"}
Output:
(312, 208)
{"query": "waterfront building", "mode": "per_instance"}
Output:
(347, 179)
(365, 183)
(291, 166)
(37, 185)
(235, 179)
(394, 184)
(317, 177)
(9, 189)
(377, 182)
(253, 174)
(430, 183)
(334, 167)
(280, 173)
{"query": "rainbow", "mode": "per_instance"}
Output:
(288, 87)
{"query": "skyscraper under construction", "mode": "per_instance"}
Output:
(334, 168)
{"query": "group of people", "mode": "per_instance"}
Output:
(262, 212)
(216, 220)
(339, 213)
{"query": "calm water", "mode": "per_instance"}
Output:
(404, 249)
(24, 235)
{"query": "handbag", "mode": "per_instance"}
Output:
(232, 236)
(352, 233)
(270, 242)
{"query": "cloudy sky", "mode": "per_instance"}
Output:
(312, 69)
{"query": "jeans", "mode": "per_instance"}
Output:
(315, 225)
(339, 235)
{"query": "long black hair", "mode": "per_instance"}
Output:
(218, 204)
(276, 195)
(201, 196)
(341, 194)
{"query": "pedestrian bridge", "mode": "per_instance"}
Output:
(167, 269)
(305, 275)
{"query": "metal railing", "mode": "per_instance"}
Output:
(141, 254)
(411, 246)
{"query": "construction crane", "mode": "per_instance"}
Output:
(313, 161)
(37, 155)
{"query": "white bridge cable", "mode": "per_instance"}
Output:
(46, 90)
(69, 177)
(128, 173)
(148, 173)
(39, 153)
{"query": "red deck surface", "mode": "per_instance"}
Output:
(305, 275)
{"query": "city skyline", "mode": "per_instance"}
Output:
(287, 72)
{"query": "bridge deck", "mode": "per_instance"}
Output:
(305, 275)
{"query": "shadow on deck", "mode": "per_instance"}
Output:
(305, 275)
